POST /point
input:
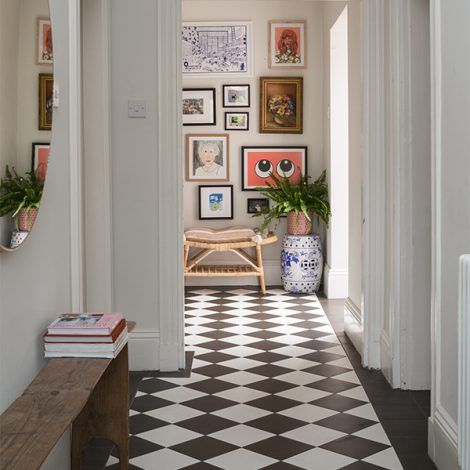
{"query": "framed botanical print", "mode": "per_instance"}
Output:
(259, 162)
(199, 107)
(236, 96)
(287, 44)
(44, 50)
(237, 121)
(207, 157)
(216, 202)
(40, 158)
(281, 110)
(257, 205)
(46, 95)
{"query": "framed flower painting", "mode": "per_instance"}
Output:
(287, 44)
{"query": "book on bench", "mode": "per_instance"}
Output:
(85, 323)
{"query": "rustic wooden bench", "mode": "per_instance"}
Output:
(91, 395)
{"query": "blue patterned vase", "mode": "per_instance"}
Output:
(301, 263)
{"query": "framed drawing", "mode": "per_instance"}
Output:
(199, 107)
(207, 157)
(237, 121)
(40, 157)
(216, 202)
(44, 50)
(236, 96)
(287, 44)
(46, 92)
(257, 205)
(259, 162)
(222, 48)
(281, 110)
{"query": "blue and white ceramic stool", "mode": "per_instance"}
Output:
(301, 263)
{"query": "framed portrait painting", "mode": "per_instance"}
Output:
(40, 158)
(281, 108)
(259, 162)
(236, 96)
(46, 101)
(216, 202)
(237, 121)
(207, 157)
(44, 50)
(287, 44)
(199, 107)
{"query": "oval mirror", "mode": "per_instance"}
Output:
(26, 94)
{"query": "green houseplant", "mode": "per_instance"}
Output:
(299, 201)
(20, 197)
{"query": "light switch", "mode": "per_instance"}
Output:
(137, 109)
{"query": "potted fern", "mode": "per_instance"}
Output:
(20, 197)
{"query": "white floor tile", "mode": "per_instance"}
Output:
(304, 394)
(314, 435)
(349, 377)
(293, 351)
(179, 394)
(374, 433)
(320, 459)
(358, 393)
(241, 340)
(241, 435)
(299, 378)
(242, 378)
(387, 459)
(242, 351)
(241, 330)
(170, 435)
(241, 413)
(308, 413)
(296, 363)
(193, 378)
(241, 394)
(364, 411)
(241, 459)
(174, 413)
(163, 459)
(241, 363)
(289, 339)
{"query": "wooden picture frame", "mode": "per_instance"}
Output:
(44, 48)
(236, 96)
(213, 203)
(40, 158)
(45, 99)
(287, 44)
(199, 107)
(231, 125)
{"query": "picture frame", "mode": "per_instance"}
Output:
(199, 107)
(257, 205)
(40, 158)
(45, 98)
(287, 44)
(216, 202)
(285, 162)
(217, 48)
(44, 47)
(237, 121)
(281, 106)
(236, 96)
(207, 157)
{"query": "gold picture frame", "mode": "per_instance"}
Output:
(45, 99)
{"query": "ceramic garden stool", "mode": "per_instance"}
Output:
(301, 263)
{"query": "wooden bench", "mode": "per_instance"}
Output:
(92, 395)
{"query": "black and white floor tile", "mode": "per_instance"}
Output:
(271, 388)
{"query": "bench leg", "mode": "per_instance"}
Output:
(106, 414)
(259, 258)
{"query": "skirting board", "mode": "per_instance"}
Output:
(442, 443)
(335, 283)
(353, 326)
(144, 350)
(386, 361)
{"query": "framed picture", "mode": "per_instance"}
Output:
(40, 157)
(236, 96)
(46, 92)
(287, 44)
(257, 205)
(281, 110)
(216, 202)
(237, 121)
(259, 162)
(207, 157)
(222, 48)
(199, 107)
(44, 50)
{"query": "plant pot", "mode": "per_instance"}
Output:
(26, 219)
(281, 121)
(298, 224)
(17, 238)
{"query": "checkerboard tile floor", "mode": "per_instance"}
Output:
(271, 388)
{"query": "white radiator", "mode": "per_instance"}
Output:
(464, 362)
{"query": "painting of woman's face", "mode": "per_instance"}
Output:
(207, 153)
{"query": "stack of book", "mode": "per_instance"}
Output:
(86, 335)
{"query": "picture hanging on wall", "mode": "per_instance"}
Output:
(207, 157)
(216, 202)
(199, 107)
(44, 50)
(40, 157)
(237, 121)
(257, 205)
(287, 44)
(222, 48)
(281, 110)
(259, 162)
(236, 96)
(46, 92)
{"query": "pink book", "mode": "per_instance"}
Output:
(85, 324)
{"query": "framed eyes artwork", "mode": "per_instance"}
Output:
(259, 162)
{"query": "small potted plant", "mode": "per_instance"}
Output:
(20, 197)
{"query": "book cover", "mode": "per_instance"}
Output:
(58, 337)
(81, 323)
(86, 347)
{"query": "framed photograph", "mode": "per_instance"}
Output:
(199, 107)
(257, 205)
(237, 121)
(46, 92)
(44, 50)
(207, 157)
(287, 44)
(236, 96)
(281, 110)
(40, 158)
(216, 202)
(259, 162)
(217, 47)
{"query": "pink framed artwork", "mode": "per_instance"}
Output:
(40, 159)
(259, 162)
(287, 44)
(44, 49)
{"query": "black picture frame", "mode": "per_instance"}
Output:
(252, 200)
(246, 113)
(201, 187)
(226, 104)
(214, 107)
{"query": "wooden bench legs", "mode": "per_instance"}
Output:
(106, 414)
(259, 258)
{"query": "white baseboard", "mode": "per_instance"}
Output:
(335, 283)
(144, 350)
(442, 441)
(353, 326)
(386, 360)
